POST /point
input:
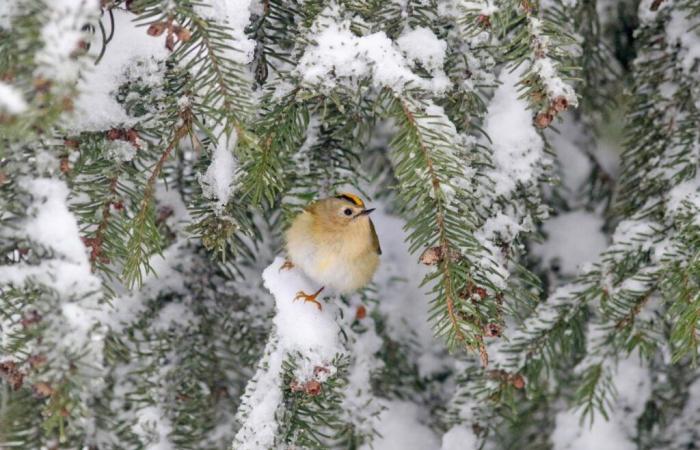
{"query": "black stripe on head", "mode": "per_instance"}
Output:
(352, 198)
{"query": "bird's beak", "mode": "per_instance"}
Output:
(366, 212)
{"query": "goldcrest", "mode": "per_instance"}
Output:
(334, 242)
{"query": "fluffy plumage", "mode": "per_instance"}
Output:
(334, 242)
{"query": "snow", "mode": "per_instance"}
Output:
(574, 164)
(555, 86)
(573, 239)
(634, 387)
(360, 403)
(684, 428)
(403, 299)
(61, 35)
(8, 9)
(260, 403)
(687, 192)
(235, 14)
(131, 54)
(218, 180)
(603, 435)
(120, 150)
(557, 305)
(459, 438)
(434, 118)
(50, 224)
(53, 226)
(154, 428)
(340, 58)
(546, 67)
(11, 100)
(401, 428)
(633, 232)
(421, 45)
(677, 31)
(646, 14)
(172, 315)
(517, 147)
(501, 226)
(301, 326)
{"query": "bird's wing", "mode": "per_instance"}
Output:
(375, 238)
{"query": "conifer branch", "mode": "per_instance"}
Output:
(281, 131)
(95, 243)
(141, 229)
(443, 242)
(424, 181)
(532, 37)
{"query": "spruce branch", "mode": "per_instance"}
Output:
(44, 81)
(218, 95)
(142, 229)
(443, 243)
(313, 409)
(281, 131)
(217, 79)
(104, 176)
(524, 34)
(595, 391)
(96, 242)
(424, 183)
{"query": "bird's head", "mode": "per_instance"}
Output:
(343, 210)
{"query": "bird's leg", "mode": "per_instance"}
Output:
(310, 298)
(288, 264)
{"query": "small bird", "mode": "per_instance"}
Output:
(334, 242)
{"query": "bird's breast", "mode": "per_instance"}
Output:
(341, 258)
(343, 270)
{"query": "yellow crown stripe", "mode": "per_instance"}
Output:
(352, 198)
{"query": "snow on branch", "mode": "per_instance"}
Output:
(530, 35)
(339, 57)
(518, 154)
(545, 67)
(301, 331)
(219, 181)
(11, 100)
(51, 224)
(63, 36)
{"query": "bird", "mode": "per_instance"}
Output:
(334, 242)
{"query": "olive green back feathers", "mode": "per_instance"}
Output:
(375, 238)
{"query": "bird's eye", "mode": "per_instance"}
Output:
(347, 212)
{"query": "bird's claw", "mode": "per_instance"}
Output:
(310, 298)
(287, 265)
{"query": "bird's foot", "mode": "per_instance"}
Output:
(287, 265)
(310, 298)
